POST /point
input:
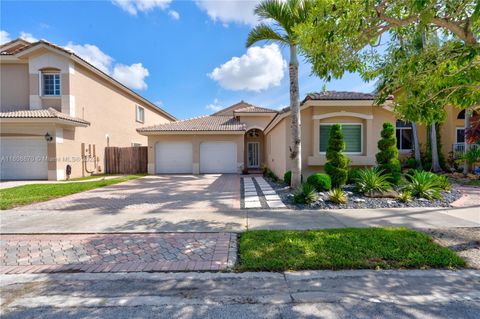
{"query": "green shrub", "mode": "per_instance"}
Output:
(444, 183)
(372, 180)
(321, 182)
(411, 163)
(305, 194)
(337, 163)
(405, 196)
(337, 196)
(287, 177)
(387, 158)
(425, 185)
(352, 175)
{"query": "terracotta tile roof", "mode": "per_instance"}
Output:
(255, 109)
(50, 113)
(216, 123)
(340, 95)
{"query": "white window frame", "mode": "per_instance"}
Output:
(137, 108)
(403, 150)
(348, 153)
(456, 134)
(42, 88)
(134, 144)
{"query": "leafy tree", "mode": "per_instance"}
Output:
(431, 58)
(285, 16)
(387, 158)
(337, 163)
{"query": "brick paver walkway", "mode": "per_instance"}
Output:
(116, 252)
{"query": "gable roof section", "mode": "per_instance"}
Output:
(212, 123)
(50, 113)
(9, 49)
(254, 109)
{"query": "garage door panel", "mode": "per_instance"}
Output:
(23, 159)
(218, 157)
(173, 158)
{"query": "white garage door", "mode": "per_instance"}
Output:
(218, 157)
(23, 159)
(173, 158)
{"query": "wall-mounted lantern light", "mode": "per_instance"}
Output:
(48, 137)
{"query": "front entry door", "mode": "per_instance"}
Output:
(253, 154)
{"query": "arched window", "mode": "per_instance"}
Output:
(404, 136)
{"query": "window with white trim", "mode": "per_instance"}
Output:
(404, 136)
(352, 134)
(460, 135)
(51, 84)
(140, 114)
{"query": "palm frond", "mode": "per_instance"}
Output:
(263, 32)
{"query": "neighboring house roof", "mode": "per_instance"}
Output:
(255, 109)
(215, 123)
(339, 95)
(10, 50)
(50, 113)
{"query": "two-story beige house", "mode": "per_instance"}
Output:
(59, 111)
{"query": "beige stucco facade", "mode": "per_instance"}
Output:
(87, 94)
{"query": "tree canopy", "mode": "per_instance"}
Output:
(424, 51)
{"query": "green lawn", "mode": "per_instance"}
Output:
(348, 248)
(85, 178)
(27, 194)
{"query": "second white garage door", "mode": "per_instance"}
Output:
(173, 158)
(218, 157)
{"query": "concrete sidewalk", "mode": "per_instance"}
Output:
(135, 220)
(309, 294)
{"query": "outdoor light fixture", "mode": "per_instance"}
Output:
(48, 137)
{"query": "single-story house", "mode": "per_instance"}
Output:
(243, 137)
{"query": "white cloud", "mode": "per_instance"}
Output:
(174, 14)
(4, 37)
(27, 37)
(132, 76)
(258, 69)
(227, 11)
(214, 106)
(135, 6)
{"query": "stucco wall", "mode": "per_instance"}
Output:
(14, 94)
(196, 140)
(276, 148)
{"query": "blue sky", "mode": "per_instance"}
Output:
(187, 56)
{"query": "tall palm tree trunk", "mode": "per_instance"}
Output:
(433, 144)
(295, 148)
(466, 165)
(416, 145)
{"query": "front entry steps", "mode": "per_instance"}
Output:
(260, 196)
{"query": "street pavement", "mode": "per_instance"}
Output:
(308, 294)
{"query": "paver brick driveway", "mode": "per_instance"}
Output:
(153, 193)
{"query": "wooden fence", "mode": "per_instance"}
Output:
(126, 160)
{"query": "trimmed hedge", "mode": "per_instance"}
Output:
(321, 182)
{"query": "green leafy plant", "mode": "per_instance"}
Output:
(405, 196)
(424, 184)
(471, 156)
(444, 183)
(337, 196)
(337, 163)
(305, 194)
(387, 157)
(411, 163)
(372, 180)
(352, 175)
(321, 182)
(287, 177)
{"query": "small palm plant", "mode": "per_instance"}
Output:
(424, 184)
(337, 196)
(405, 196)
(372, 180)
(305, 194)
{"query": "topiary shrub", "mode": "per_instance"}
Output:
(321, 182)
(337, 163)
(387, 158)
(287, 177)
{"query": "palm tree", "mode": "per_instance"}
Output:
(434, 148)
(416, 146)
(285, 15)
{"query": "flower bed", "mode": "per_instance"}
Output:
(358, 200)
